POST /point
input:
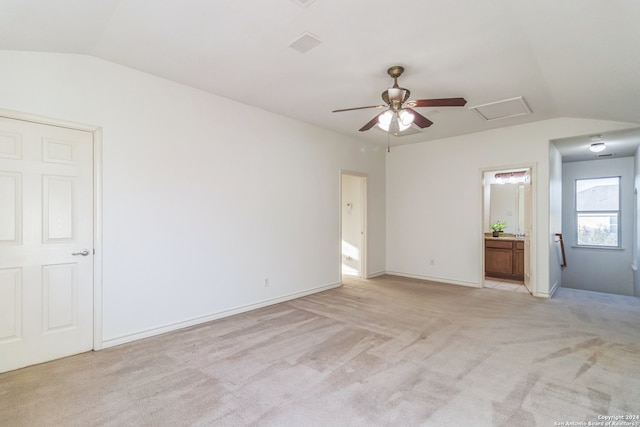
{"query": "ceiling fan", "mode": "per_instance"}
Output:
(400, 113)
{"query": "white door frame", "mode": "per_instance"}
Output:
(97, 206)
(365, 231)
(533, 258)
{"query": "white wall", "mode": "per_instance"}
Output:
(434, 199)
(600, 270)
(203, 197)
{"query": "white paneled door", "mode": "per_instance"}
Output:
(46, 243)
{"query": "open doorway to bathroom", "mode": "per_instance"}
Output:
(507, 228)
(353, 238)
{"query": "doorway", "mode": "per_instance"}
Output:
(48, 224)
(353, 224)
(508, 204)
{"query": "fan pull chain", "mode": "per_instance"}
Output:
(388, 143)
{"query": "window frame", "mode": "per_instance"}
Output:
(577, 214)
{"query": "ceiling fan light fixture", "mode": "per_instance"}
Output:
(597, 147)
(397, 119)
(390, 121)
(405, 118)
(384, 120)
(403, 127)
(397, 94)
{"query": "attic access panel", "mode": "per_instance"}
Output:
(504, 109)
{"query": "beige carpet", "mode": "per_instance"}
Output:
(384, 352)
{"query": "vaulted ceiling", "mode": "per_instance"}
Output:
(569, 58)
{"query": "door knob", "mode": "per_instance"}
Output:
(83, 252)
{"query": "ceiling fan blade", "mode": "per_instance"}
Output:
(419, 120)
(371, 123)
(359, 108)
(442, 102)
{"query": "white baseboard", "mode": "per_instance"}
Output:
(377, 274)
(552, 291)
(436, 279)
(111, 342)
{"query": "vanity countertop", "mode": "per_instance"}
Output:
(503, 236)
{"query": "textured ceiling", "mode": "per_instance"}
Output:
(570, 58)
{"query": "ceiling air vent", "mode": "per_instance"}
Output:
(504, 109)
(303, 3)
(604, 156)
(305, 42)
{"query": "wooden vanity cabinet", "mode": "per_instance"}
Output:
(504, 258)
(518, 265)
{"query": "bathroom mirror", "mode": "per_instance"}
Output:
(507, 204)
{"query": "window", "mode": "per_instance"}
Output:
(598, 212)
